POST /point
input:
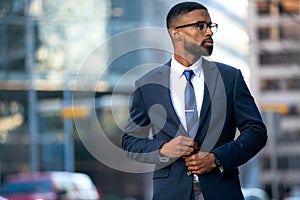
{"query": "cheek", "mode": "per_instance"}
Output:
(195, 37)
(199, 38)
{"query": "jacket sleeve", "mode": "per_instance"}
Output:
(136, 141)
(253, 133)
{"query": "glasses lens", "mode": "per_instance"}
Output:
(202, 26)
(214, 27)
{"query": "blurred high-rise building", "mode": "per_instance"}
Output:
(275, 65)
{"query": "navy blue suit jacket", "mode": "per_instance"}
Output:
(227, 106)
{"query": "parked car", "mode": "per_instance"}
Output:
(49, 186)
(255, 194)
(294, 194)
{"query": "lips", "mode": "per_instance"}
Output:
(208, 42)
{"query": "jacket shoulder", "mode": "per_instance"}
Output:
(225, 68)
(150, 76)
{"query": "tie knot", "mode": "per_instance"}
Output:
(188, 74)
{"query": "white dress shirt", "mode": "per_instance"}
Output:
(178, 83)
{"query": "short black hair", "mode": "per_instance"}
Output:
(182, 8)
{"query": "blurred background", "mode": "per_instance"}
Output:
(44, 44)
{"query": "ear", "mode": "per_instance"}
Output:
(177, 35)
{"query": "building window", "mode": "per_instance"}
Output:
(293, 83)
(286, 32)
(263, 8)
(283, 7)
(279, 58)
(264, 33)
(16, 37)
(269, 85)
(12, 7)
(12, 53)
(289, 7)
(290, 31)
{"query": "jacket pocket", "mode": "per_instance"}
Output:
(162, 173)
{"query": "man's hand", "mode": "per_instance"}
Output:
(200, 163)
(178, 146)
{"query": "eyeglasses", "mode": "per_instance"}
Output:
(202, 26)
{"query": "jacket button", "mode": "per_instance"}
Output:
(189, 173)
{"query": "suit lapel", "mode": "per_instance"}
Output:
(163, 78)
(210, 79)
(217, 108)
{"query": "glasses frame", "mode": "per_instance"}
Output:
(197, 24)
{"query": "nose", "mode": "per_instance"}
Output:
(209, 31)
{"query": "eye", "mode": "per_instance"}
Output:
(202, 26)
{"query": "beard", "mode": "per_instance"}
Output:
(198, 50)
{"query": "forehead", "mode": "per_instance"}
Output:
(195, 15)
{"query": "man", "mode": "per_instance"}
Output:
(191, 108)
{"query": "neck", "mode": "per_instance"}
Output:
(186, 61)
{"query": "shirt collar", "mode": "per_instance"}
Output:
(179, 68)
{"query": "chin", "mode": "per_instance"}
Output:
(209, 50)
(205, 52)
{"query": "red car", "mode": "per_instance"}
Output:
(49, 186)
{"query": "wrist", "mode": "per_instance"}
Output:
(162, 156)
(162, 151)
(218, 164)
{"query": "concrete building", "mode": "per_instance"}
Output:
(274, 27)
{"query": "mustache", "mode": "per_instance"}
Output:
(208, 40)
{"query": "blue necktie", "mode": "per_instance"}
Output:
(191, 114)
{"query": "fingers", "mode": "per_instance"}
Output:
(186, 151)
(199, 163)
(184, 146)
(184, 141)
(179, 146)
(199, 155)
